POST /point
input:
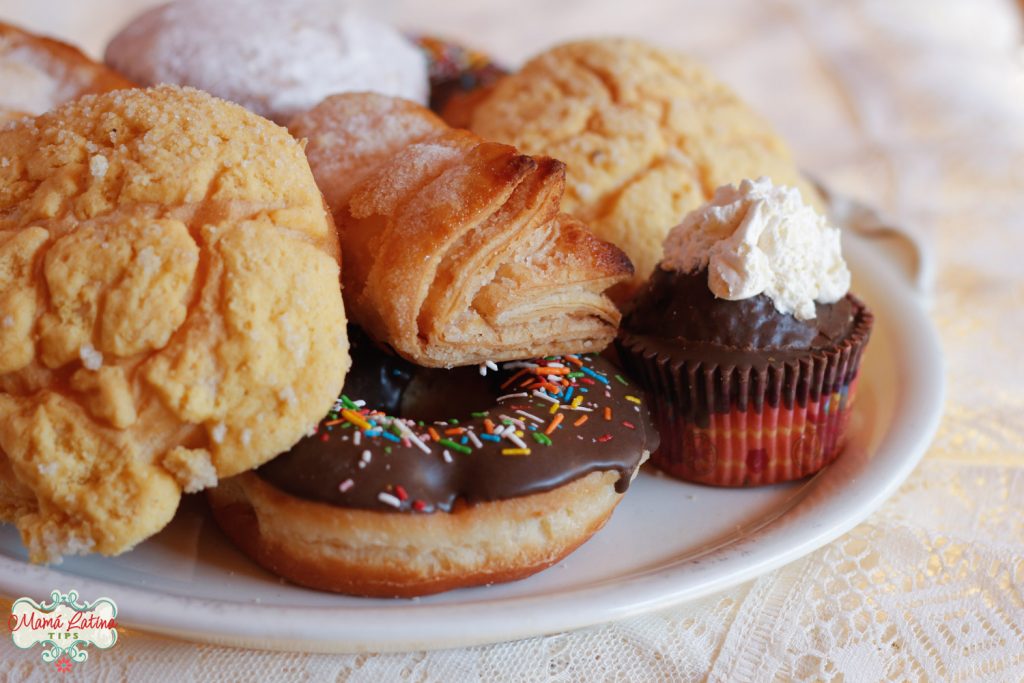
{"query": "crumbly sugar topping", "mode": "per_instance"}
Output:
(141, 348)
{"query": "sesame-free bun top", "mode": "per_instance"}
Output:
(646, 135)
(38, 74)
(275, 58)
(170, 311)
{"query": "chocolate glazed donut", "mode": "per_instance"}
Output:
(533, 462)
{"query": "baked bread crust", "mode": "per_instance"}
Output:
(382, 554)
(39, 73)
(169, 311)
(647, 135)
(456, 251)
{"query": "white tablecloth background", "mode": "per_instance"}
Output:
(915, 106)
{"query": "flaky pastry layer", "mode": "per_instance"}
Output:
(455, 249)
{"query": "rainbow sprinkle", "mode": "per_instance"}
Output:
(458, 447)
(557, 384)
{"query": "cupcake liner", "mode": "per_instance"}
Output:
(749, 425)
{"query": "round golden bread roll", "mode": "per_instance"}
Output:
(38, 74)
(170, 311)
(646, 136)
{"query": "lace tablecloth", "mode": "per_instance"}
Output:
(914, 106)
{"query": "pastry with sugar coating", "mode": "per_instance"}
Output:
(455, 247)
(38, 74)
(169, 311)
(646, 136)
(274, 58)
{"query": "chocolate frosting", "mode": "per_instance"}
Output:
(703, 355)
(329, 467)
(679, 312)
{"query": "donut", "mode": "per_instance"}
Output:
(390, 498)
(274, 58)
(37, 74)
(460, 77)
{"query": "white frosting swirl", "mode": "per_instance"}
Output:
(759, 238)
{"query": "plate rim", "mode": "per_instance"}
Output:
(439, 626)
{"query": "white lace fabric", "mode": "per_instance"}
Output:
(917, 108)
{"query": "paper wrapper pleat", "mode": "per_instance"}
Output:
(753, 424)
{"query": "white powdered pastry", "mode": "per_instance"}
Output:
(274, 58)
(33, 82)
(759, 238)
(26, 88)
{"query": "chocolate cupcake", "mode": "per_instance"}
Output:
(747, 341)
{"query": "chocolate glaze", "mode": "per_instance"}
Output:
(680, 309)
(710, 355)
(454, 70)
(317, 466)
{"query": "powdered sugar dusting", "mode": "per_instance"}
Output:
(91, 358)
(287, 394)
(247, 52)
(98, 166)
(30, 86)
(218, 432)
(417, 163)
(349, 137)
(150, 262)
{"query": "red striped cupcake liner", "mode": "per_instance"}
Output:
(748, 425)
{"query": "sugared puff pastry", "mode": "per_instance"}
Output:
(456, 250)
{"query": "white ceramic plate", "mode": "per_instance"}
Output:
(667, 543)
